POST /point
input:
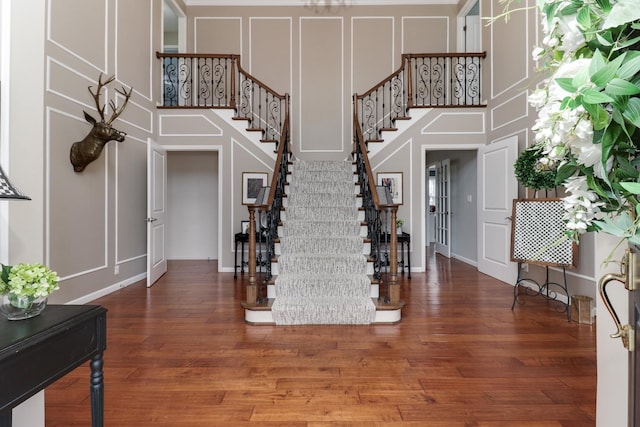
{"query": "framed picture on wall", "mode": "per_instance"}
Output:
(252, 182)
(393, 181)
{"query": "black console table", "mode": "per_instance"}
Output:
(36, 352)
(241, 238)
(404, 240)
(405, 245)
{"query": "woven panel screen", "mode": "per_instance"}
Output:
(538, 233)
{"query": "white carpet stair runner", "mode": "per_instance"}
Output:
(322, 275)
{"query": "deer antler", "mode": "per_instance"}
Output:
(118, 111)
(96, 96)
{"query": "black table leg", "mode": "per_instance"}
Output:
(409, 257)
(242, 258)
(235, 264)
(97, 391)
(6, 417)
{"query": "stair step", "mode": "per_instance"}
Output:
(385, 313)
(320, 273)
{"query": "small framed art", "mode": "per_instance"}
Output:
(252, 182)
(393, 181)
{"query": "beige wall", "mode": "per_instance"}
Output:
(321, 57)
(91, 221)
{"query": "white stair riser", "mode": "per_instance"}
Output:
(266, 317)
(285, 202)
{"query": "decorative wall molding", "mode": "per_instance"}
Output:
(289, 20)
(407, 18)
(48, 114)
(198, 19)
(339, 102)
(149, 90)
(164, 122)
(514, 61)
(443, 116)
(61, 45)
(510, 107)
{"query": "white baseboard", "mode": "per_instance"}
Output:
(106, 291)
(465, 260)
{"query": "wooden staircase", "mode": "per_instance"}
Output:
(260, 313)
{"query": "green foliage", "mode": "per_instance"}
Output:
(531, 174)
(28, 280)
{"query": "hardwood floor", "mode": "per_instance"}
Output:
(180, 354)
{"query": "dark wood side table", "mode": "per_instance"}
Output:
(36, 352)
(241, 238)
(404, 240)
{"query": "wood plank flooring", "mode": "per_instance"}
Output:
(180, 354)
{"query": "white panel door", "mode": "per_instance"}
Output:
(472, 33)
(443, 208)
(497, 187)
(156, 211)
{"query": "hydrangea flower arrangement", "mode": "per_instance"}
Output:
(28, 280)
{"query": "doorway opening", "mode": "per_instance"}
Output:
(173, 28)
(451, 208)
(469, 28)
(193, 205)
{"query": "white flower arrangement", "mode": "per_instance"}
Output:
(589, 111)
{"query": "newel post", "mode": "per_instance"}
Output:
(252, 289)
(407, 65)
(394, 288)
(232, 100)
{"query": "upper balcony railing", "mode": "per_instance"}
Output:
(424, 80)
(196, 80)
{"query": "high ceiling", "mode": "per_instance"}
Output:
(313, 2)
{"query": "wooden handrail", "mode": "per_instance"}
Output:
(423, 80)
(218, 81)
(392, 290)
(264, 86)
(446, 55)
(197, 55)
(279, 159)
(382, 82)
(269, 207)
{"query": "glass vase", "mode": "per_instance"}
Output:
(15, 307)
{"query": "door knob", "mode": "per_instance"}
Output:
(628, 278)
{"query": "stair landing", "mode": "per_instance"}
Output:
(260, 314)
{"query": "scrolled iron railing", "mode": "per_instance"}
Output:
(380, 217)
(265, 215)
(424, 80)
(195, 80)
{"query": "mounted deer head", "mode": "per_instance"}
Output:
(89, 149)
